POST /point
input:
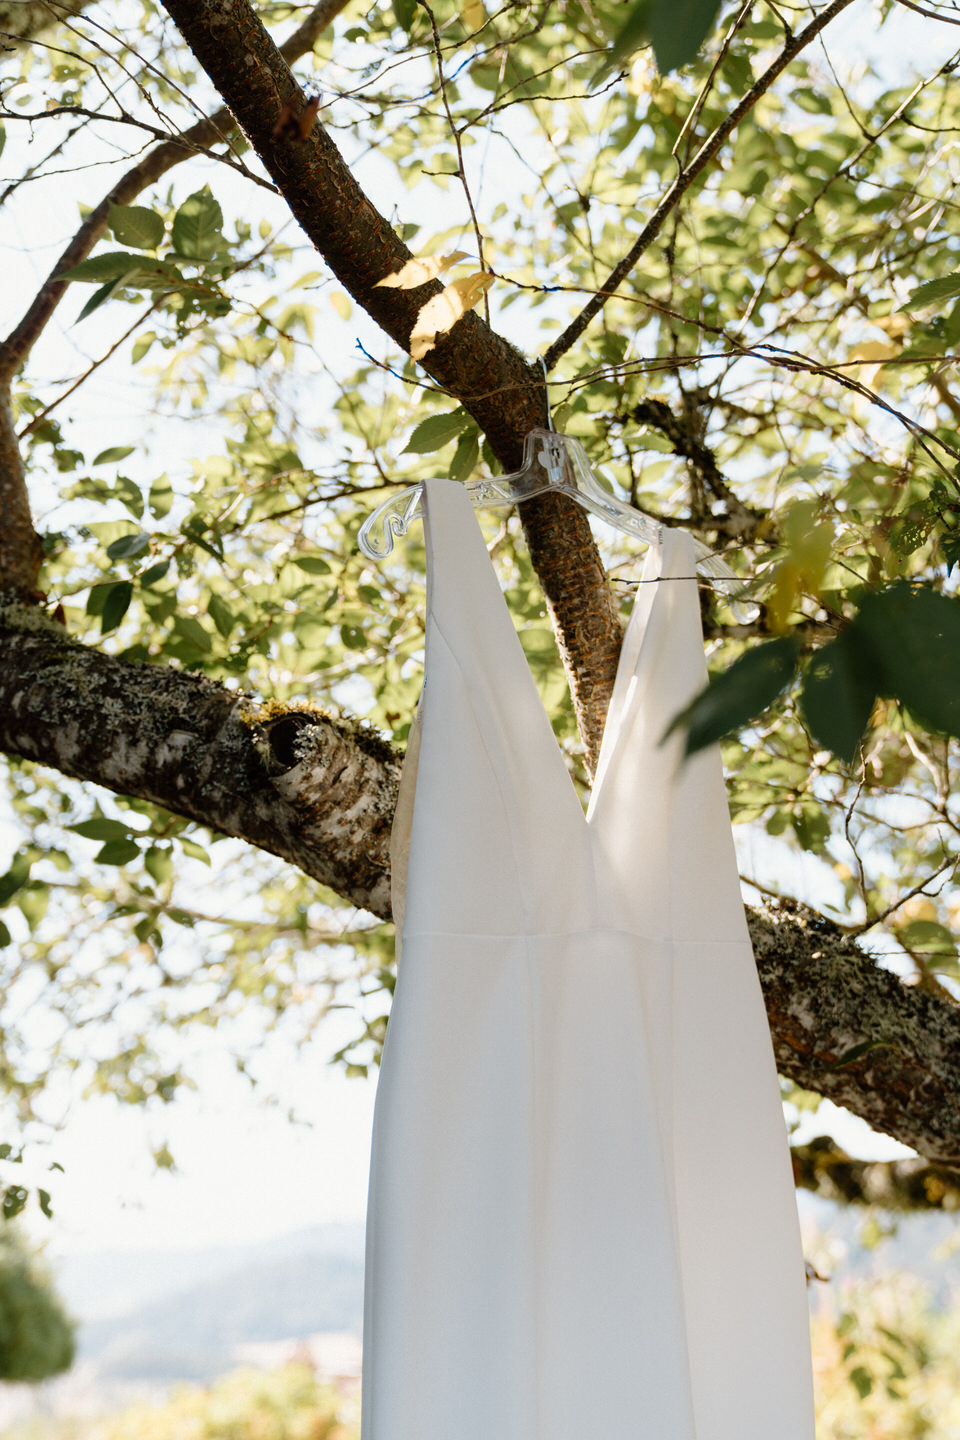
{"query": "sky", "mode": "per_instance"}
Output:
(243, 1171)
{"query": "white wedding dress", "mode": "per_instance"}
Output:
(582, 1223)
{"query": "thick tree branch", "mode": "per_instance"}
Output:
(501, 390)
(316, 792)
(851, 1031)
(20, 553)
(901, 1185)
(321, 794)
(686, 177)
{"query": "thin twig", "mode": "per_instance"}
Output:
(684, 180)
(456, 140)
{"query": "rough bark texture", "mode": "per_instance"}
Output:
(900, 1185)
(319, 793)
(20, 552)
(494, 382)
(855, 1033)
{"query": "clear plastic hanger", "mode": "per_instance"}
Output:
(556, 462)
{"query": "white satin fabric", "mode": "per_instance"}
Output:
(582, 1219)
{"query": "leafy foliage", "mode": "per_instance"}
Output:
(36, 1336)
(287, 1404)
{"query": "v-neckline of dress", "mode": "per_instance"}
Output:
(632, 653)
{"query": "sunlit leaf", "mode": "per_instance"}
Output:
(436, 431)
(417, 272)
(115, 452)
(442, 312)
(946, 288)
(197, 226)
(136, 225)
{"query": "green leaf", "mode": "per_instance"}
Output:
(115, 452)
(129, 546)
(312, 564)
(114, 265)
(5, 937)
(862, 1381)
(929, 936)
(677, 30)
(44, 1197)
(195, 851)
(190, 629)
(221, 615)
(154, 574)
(15, 878)
(405, 11)
(158, 864)
(946, 288)
(129, 495)
(14, 1201)
(161, 496)
(136, 225)
(634, 31)
(197, 226)
(141, 345)
(914, 634)
(115, 605)
(117, 852)
(466, 455)
(436, 431)
(738, 695)
(838, 694)
(101, 296)
(101, 828)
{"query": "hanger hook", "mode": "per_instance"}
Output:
(546, 388)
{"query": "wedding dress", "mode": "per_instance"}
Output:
(582, 1220)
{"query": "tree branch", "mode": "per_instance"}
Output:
(494, 382)
(315, 791)
(687, 175)
(20, 552)
(823, 1168)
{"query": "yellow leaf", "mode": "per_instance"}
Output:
(442, 312)
(342, 304)
(873, 350)
(473, 14)
(418, 272)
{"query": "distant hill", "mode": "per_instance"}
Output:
(180, 1315)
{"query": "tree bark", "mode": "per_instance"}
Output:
(321, 793)
(318, 793)
(823, 1168)
(501, 390)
